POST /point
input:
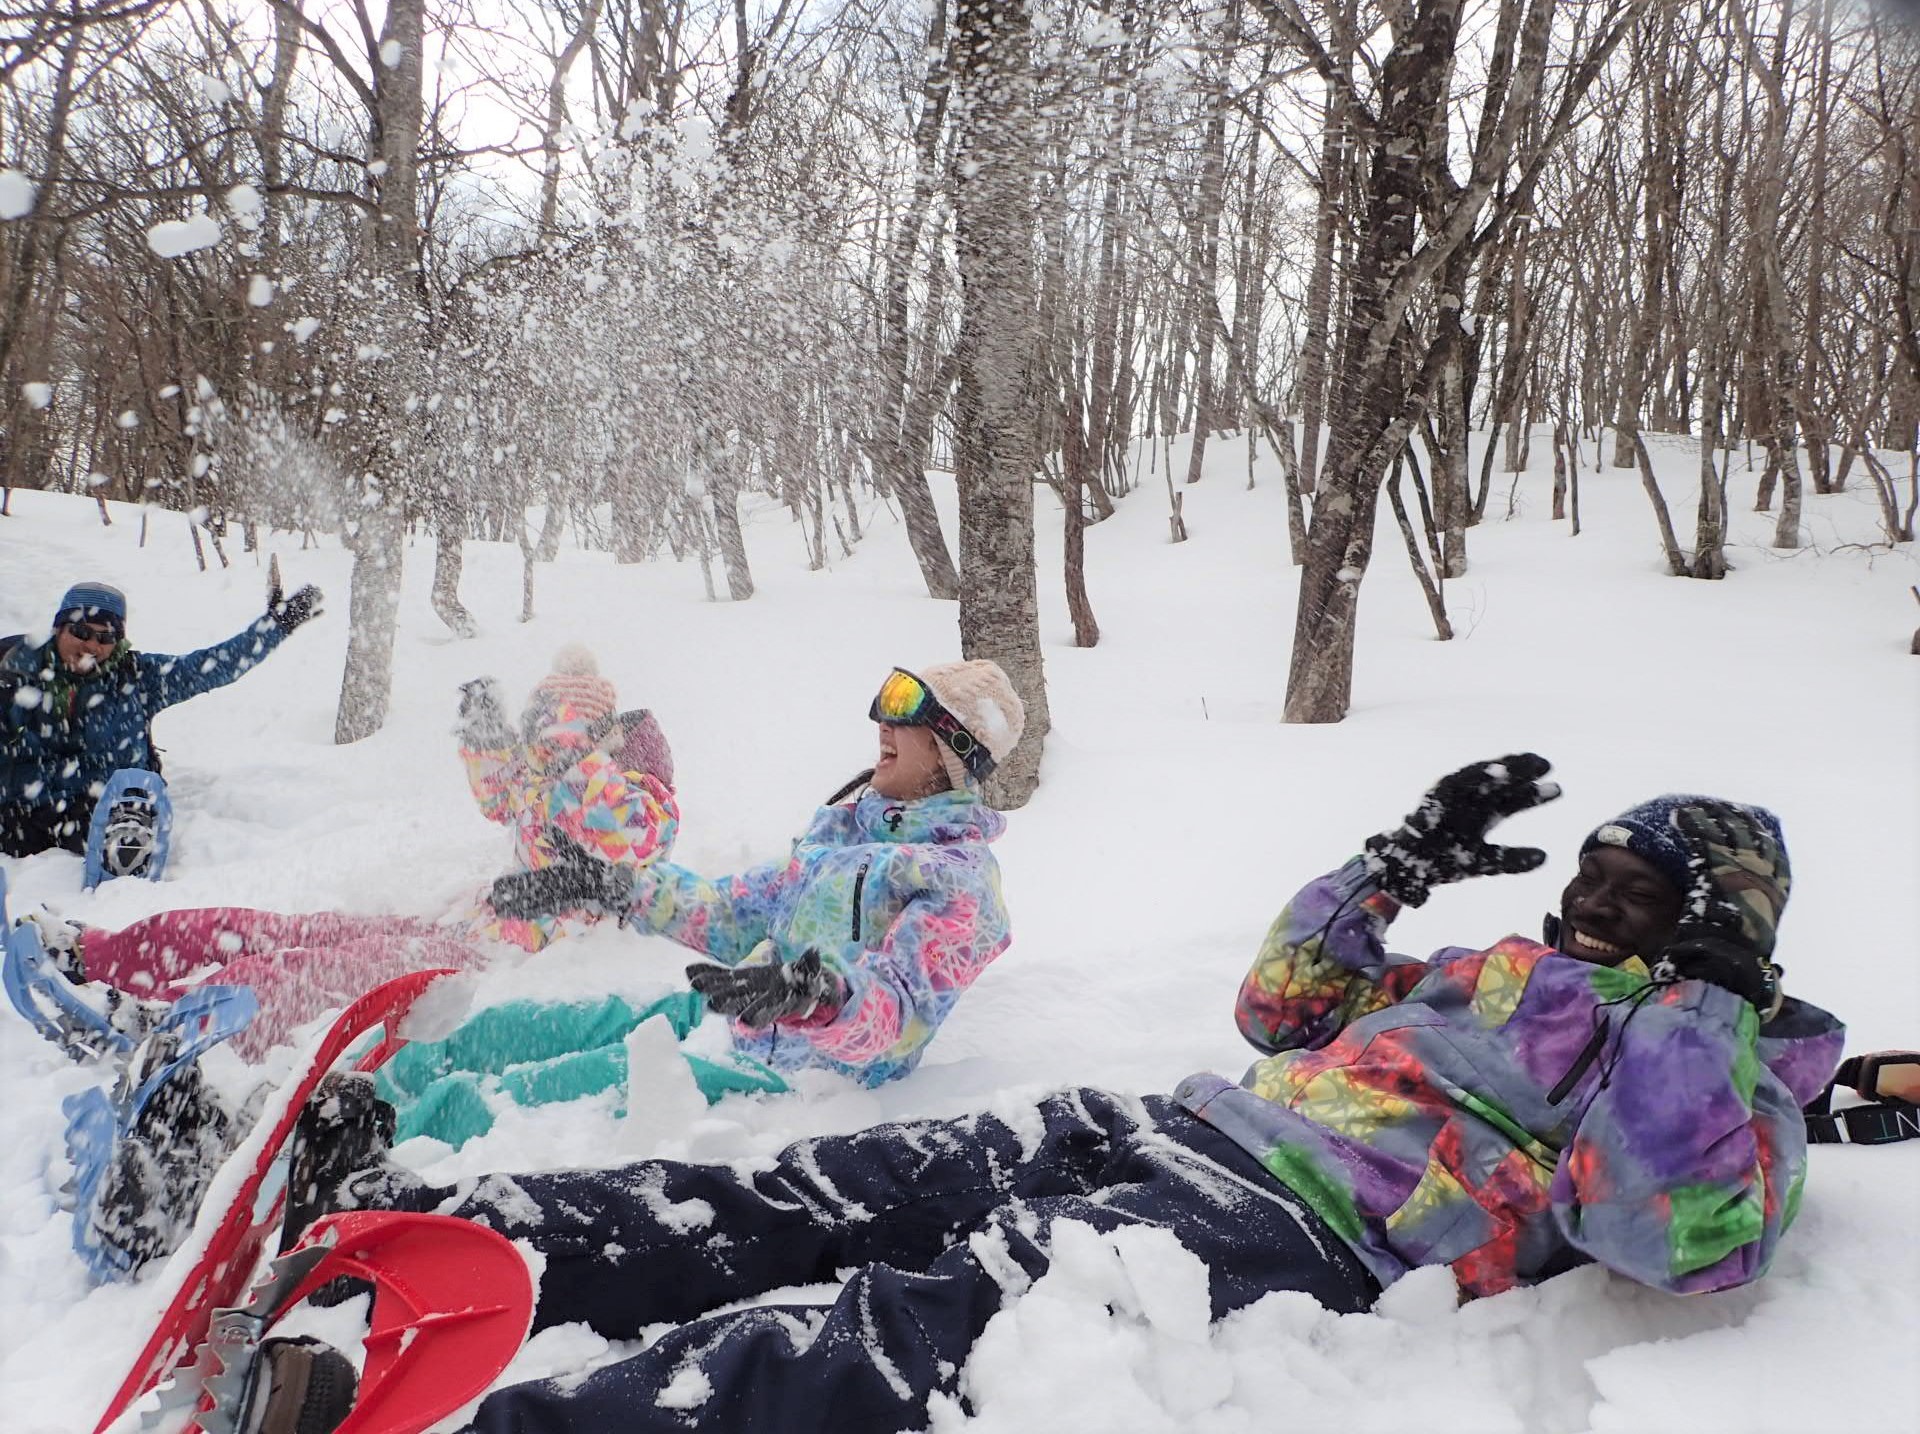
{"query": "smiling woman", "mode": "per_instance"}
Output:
(848, 955)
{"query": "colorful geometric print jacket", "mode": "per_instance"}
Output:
(902, 901)
(58, 748)
(1410, 1103)
(561, 788)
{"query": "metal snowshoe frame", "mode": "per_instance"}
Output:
(452, 1302)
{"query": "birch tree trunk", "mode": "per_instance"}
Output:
(906, 416)
(995, 409)
(377, 531)
(1774, 331)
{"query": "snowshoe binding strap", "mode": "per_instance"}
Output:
(1890, 1083)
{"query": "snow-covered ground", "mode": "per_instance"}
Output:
(1177, 814)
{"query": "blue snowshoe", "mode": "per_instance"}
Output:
(88, 1020)
(131, 828)
(144, 1151)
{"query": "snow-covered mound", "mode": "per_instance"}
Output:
(1176, 816)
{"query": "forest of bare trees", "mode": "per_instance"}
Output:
(525, 269)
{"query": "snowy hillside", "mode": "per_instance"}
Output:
(1176, 815)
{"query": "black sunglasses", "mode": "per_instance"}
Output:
(94, 634)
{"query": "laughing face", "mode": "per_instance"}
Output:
(84, 646)
(1617, 905)
(909, 766)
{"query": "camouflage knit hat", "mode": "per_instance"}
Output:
(1650, 832)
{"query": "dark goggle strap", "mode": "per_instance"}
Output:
(1882, 1121)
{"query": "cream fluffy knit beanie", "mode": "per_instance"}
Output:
(980, 696)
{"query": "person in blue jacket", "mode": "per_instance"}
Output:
(80, 706)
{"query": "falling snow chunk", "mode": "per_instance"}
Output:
(16, 194)
(390, 53)
(1347, 575)
(174, 237)
(214, 89)
(259, 291)
(377, 168)
(303, 328)
(37, 395)
(247, 205)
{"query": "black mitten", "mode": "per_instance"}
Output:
(574, 883)
(1726, 962)
(1444, 838)
(761, 995)
(287, 613)
(483, 715)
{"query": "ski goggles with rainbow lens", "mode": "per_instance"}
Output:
(905, 701)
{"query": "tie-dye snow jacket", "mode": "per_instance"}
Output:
(562, 785)
(1410, 1103)
(901, 900)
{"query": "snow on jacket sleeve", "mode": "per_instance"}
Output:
(165, 680)
(1686, 1165)
(724, 918)
(898, 992)
(1324, 963)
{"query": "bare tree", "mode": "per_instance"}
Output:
(995, 408)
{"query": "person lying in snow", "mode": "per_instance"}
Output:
(79, 706)
(1626, 1091)
(576, 779)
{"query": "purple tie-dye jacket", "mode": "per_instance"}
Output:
(1408, 1102)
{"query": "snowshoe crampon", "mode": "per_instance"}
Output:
(452, 1302)
(243, 1207)
(144, 1155)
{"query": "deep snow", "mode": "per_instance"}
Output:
(1177, 814)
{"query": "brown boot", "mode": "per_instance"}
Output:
(303, 1387)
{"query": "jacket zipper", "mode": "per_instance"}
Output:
(859, 885)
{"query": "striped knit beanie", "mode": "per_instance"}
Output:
(573, 691)
(92, 602)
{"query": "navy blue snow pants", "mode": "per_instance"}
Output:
(914, 1217)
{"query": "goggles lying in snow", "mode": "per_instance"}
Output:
(905, 701)
(1890, 1080)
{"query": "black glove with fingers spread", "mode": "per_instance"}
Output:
(1444, 839)
(575, 882)
(1738, 883)
(761, 995)
(287, 613)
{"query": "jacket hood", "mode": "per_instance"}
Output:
(944, 818)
